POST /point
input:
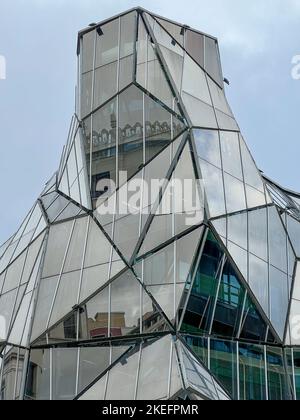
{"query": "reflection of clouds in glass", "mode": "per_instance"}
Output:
(278, 240)
(279, 299)
(258, 280)
(240, 257)
(213, 183)
(237, 229)
(208, 147)
(295, 322)
(255, 198)
(235, 194)
(231, 154)
(251, 173)
(258, 235)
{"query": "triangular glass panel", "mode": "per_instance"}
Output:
(181, 207)
(4, 246)
(172, 53)
(33, 225)
(133, 203)
(16, 279)
(112, 58)
(221, 163)
(106, 388)
(59, 208)
(165, 273)
(220, 226)
(194, 81)
(85, 262)
(218, 98)
(100, 137)
(95, 360)
(150, 74)
(145, 129)
(216, 302)
(162, 36)
(198, 378)
(73, 181)
(142, 376)
(155, 370)
(176, 31)
(161, 127)
(248, 236)
(174, 62)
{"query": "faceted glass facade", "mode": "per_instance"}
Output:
(197, 299)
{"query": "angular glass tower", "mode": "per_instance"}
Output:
(189, 289)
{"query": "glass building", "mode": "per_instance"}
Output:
(107, 293)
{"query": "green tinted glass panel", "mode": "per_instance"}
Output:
(252, 372)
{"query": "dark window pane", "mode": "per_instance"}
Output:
(223, 362)
(252, 325)
(277, 378)
(200, 347)
(252, 372)
(202, 299)
(229, 304)
(174, 30)
(221, 295)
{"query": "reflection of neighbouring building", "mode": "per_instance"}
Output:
(98, 326)
(131, 146)
(11, 377)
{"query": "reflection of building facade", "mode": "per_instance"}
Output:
(144, 305)
(13, 366)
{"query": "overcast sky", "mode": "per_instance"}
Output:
(257, 39)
